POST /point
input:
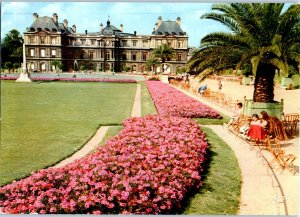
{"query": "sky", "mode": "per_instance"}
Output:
(135, 16)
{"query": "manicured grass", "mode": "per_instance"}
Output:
(220, 193)
(111, 132)
(210, 121)
(43, 123)
(148, 106)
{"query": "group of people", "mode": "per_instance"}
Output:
(256, 122)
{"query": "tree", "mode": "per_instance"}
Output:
(15, 66)
(163, 52)
(55, 63)
(262, 35)
(152, 62)
(12, 47)
(60, 66)
(7, 65)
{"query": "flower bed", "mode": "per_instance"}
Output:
(73, 79)
(147, 169)
(3, 77)
(171, 102)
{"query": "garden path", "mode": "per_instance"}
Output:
(137, 108)
(264, 191)
(99, 135)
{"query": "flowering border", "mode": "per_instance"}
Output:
(73, 79)
(171, 102)
(148, 168)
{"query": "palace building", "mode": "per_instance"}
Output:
(110, 49)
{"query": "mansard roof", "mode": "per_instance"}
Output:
(48, 24)
(169, 28)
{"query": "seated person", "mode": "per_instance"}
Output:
(265, 120)
(256, 129)
(235, 117)
(202, 89)
(253, 121)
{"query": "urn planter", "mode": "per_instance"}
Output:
(272, 108)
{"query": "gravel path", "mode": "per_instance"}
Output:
(264, 191)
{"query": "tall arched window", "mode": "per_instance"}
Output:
(107, 54)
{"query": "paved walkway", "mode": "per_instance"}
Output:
(99, 135)
(137, 108)
(265, 191)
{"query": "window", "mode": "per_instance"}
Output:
(124, 43)
(83, 41)
(170, 43)
(134, 43)
(158, 42)
(42, 39)
(43, 66)
(144, 56)
(53, 68)
(32, 52)
(101, 55)
(133, 56)
(31, 40)
(179, 58)
(91, 55)
(145, 43)
(31, 66)
(43, 52)
(124, 56)
(93, 42)
(107, 54)
(53, 53)
(81, 54)
(53, 40)
(134, 68)
(179, 44)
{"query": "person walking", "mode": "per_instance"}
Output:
(220, 85)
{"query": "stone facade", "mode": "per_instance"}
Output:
(110, 49)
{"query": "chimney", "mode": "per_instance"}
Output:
(35, 16)
(101, 27)
(121, 27)
(155, 27)
(178, 21)
(66, 23)
(159, 20)
(134, 33)
(55, 18)
(74, 28)
(86, 32)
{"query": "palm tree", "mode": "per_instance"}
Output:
(164, 52)
(55, 63)
(261, 34)
(152, 62)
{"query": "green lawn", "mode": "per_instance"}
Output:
(210, 121)
(220, 193)
(148, 106)
(42, 123)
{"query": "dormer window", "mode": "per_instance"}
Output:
(42, 39)
(31, 39)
